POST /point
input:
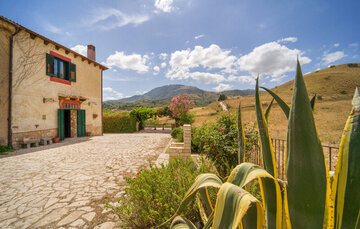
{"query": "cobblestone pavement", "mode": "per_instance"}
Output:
(65, 185)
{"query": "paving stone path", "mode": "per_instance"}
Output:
(65, 185)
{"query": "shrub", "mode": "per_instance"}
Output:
(142, 114)
(343, 92)
(220, 142)
(118, 122)
(152, 196)
(180, 106)
(176, 131)
(4, 149)
(319, 97)
(222, 97)
(353, 65)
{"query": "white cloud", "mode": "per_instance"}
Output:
(140, 92)
(332, 57)
(199, 36)
(242, 79)
(163, 56)
(106, 19)
(222, 87)
(134, 62)
(82, 49)
(164, 5)
(336, 45)
(354, 45)
(112, 94)
(288, 39)
(109, 98)
(163, 65)
(206, 78)
(211, 58)
(156, 70)
(272, 59)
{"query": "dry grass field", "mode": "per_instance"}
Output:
(334, 87)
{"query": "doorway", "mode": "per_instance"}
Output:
(67, 123)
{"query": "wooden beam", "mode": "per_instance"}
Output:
(82, 58)
(33, 36)
(46, 42)
(57, 47)
(67, 51)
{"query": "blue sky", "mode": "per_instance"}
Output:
(212, 44)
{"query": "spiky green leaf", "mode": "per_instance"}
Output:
(267, 111)
(308, 190)
(283, 105)
(181, 222)
(232, 204)
(346, 185)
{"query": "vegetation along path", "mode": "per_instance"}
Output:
(66, 184)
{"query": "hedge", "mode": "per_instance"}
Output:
(118, 123)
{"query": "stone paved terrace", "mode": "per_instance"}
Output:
(65, 185)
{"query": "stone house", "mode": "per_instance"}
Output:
(46, 89)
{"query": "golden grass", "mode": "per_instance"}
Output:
(334, 85)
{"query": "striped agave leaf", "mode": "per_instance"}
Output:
(232, 204)
(346, 184)
(267, 111)
(308, 189)
(181, 222)
(283, 105)
(241, 137)
(271, 196)
(202, 181)
(270, 190)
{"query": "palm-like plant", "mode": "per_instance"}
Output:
(306, 199)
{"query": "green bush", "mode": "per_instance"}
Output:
(353, 65)
(142, 114)
(152, 196)
(185, 118)
(118, 122)
(220, 142)
(4, 149)
(222, 97)
(176, 132)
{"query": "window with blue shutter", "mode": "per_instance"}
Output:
(60, 68)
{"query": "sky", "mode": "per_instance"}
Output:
(211, 44)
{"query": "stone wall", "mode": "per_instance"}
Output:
(73, 123)
(18, 137)
(5, 31)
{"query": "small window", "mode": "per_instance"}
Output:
(60, 68)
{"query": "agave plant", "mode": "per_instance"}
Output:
(306, 199)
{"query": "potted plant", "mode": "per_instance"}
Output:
(56, 139)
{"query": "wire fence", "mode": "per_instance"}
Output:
(279, 145)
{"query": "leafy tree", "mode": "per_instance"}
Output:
(142, 114)
(222, 97)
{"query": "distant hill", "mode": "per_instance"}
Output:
(161, 96)
(337, 82)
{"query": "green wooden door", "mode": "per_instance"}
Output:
(81, 123)
(61, 124)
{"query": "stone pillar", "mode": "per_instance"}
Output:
(187, 141)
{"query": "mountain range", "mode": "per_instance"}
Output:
(161, 96)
